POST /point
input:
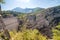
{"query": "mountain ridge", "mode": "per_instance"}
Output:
(27, 10)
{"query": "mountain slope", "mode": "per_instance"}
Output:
(44, 20)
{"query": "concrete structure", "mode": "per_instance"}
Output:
(10, 23)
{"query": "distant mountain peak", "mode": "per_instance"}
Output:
(26, 10)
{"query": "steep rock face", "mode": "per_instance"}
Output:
(44, 20)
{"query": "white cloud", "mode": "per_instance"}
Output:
(25, 1)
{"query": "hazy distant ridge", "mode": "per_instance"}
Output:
(26, 10)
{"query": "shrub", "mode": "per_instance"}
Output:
(27, 35)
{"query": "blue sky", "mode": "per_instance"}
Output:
(10, 4)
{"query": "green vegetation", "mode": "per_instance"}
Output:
(27, 34)
(1, 1)
(56, 33)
